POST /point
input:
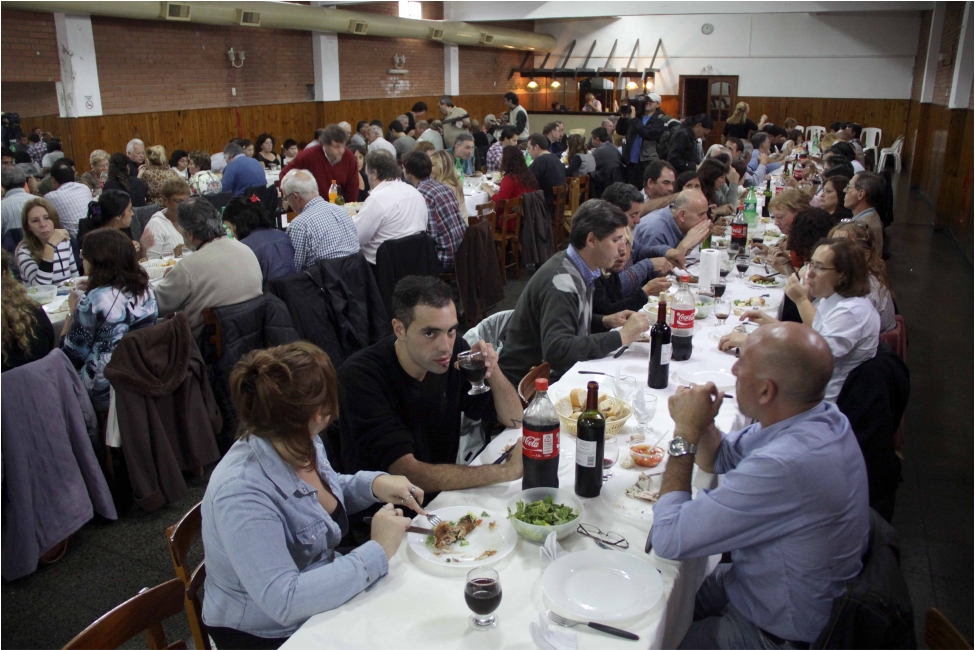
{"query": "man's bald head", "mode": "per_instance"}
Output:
(690, 208)
(793, 358)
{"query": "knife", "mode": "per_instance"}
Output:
(503, 457)
(591, 372)
(422, 531)
(621, 351)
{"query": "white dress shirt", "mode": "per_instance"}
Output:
(382, 144)
(166, 237)
(394, 209)
(71, 201)
(851, 327)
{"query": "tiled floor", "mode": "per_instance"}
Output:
(933, 283)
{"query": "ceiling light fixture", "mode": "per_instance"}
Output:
(555, 83)
(533, 84)
(631, 85)
(649, 84)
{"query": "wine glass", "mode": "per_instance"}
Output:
(718, 288)
(741, 263)
(626, 388)
(483, 596)
(645, 409)
(611, 453)
(473, 369)
(722, 309)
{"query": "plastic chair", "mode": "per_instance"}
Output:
(893, 151)
(871, 137)
(142, 613)
(818, 131)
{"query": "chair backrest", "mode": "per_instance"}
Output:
(144, 214)
(815, 130)
(509, 209)
(268, 194)
(181, 537)
(144, 612)
(526, 387)
(871, 136)
(870, 158)
(12, 238)
(941, 634)
(898, 145)
(558, 215)
(484, 208)
(414, 254)
(584, 186)
(219, 200)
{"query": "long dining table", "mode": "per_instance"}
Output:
(420, 604)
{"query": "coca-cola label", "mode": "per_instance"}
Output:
(540, 445)
(683, 319)
(739, 230)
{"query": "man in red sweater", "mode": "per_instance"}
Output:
(330, 162)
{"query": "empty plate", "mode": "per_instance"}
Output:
(722, 379)
(600, 586)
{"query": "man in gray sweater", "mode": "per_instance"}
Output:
(553, 320)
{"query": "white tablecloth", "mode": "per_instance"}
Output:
(474, 197)
(419, 605)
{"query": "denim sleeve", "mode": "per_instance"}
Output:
(356, 489)
(747, 508)
(266, 569)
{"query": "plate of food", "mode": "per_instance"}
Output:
(467, 536)
(741, 305)
(632, 495)
(759, 281)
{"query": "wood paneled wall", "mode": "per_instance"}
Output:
(941, 166)
(890, 115)
(209, 129)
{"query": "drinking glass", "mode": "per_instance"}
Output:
(473, 369)
(718, 288)
(626, 388)
(483, 596)
(722, 309)
(644, 410)
(741, 263)
(611, 453)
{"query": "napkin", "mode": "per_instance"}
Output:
(551, 550)
(549, 638)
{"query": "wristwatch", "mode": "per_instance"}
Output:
(680, 447)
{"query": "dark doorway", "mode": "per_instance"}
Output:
(713, 95)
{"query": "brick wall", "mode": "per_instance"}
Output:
(954, 13)
(159, 66)
(29, 47)
(29, 98)
(364, 61)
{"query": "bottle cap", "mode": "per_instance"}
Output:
(541, 384)
(683, 276)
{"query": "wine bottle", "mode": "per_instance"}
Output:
(590, 442)
(661, 349)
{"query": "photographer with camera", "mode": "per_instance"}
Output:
(642, 125)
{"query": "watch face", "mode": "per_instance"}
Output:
(678, 447)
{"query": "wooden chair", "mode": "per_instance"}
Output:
(940, 634)
(508, 238)
(181, 537)
(584, 188)
(142, 613)
(558, 215)
(526, 387)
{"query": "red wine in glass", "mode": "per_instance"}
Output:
(742, 265)
(483, 596)
(473, 369)
(718, 288)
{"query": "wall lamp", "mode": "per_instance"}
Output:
(232, 56)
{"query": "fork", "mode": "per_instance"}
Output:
(565, 622)
(434, 520)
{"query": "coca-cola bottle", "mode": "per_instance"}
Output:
(739, 231)
(682, 312)
(661, 349)
(540, 441)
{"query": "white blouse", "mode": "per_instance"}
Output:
(166, 236)
(851, 327)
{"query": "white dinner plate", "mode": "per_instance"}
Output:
(723, 379)
(502, 538)
(600, 586)
(779, 283)
(718, 332)
(613, 494)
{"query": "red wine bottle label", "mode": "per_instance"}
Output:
(666, 353)
(540, 446)
(683, 318)
(585, 453)
(739, 230)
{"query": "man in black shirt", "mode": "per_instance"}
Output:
(547, 168)
(401, 399)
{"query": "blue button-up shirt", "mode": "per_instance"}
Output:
(753, 163)
(270, 546)
(242, 172)
(588, 275)
(656, 233)
(792, 508)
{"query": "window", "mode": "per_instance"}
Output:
(410, 10)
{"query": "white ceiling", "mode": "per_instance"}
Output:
(477, 10)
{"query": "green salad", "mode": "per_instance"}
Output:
(544, 513)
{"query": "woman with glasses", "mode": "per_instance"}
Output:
(838, 277)
(880, 293)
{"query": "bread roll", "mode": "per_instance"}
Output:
(578, 398)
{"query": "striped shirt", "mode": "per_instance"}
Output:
(42, 272)
(444, 222)
(322, 231)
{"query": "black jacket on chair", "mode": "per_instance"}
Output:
(875, 611)
(256, 324)
(397, 258)
(336, 305)
(874, 398)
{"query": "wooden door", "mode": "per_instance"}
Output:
(713, 95)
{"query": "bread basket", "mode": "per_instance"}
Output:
(156, 268)
(564, 408)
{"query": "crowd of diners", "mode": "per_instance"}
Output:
(792, 508)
